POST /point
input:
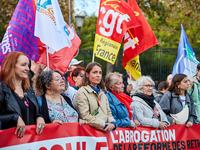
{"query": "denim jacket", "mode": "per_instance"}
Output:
(119, 111)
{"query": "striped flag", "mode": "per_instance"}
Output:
(19, 35)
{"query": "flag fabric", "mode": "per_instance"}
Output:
(53, 31)
(115, 17)
(186, 61)
(137, 40)
(19, 35)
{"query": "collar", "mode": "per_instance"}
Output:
(96, 89)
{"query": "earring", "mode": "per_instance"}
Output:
(178, 87)
(12, 81)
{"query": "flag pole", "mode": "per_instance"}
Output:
(93, 58)
(190, 67)
(47, 58)
(130, 71)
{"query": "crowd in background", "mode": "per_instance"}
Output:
(30, 94)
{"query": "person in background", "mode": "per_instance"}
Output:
(91, 102)
(54, 106)
(18, 103)
(146, 110)
(119, 102)
(156, 83)
(162, 89)
(73, 64)
(177, 104)
(194, 91)
(129, 85)
(169, 79)
(77, 76)
(35, 68)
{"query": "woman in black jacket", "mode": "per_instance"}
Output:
(55, 106)
(18, 103)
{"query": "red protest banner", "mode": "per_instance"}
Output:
(71, 136)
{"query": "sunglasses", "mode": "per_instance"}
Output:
(81, 75)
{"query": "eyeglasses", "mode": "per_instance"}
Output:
(149, 86)
(58, 79)
(81, 75)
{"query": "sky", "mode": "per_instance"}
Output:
(89, 6)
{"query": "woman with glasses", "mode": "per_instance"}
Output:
(77, 76)
(54, 106)
(177, 104)
(145, 109)
(119, 102)
(91, 102)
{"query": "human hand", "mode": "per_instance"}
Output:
(189, 124)
(129, 88)
(82, 122)
(133, 125)
(109, 127)
(20, 129)
(162, 125)
(39, 125)
(136, 123)
(173, 122)
(58, 121)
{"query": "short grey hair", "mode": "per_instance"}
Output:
(140, 84)
(111, 79)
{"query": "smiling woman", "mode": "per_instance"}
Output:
(18, 104)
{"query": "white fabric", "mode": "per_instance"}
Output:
(182, 116)
(50, 26)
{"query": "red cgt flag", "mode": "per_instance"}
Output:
(137, 39)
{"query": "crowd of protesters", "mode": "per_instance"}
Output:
(33, 95)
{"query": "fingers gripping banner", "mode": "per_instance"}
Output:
(71, 136)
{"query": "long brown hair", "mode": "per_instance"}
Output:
(87, 70)
(8, 71)
(176, 79)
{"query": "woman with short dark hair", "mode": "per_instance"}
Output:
(177, 104)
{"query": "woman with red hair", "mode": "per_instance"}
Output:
(18, 103)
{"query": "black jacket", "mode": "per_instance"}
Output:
(9, 108)
(44, 107)
(125, 82)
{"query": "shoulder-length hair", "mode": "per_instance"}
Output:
(8, 71)
(44, 79)
(140, 84)
(88, 68)
(176, 80)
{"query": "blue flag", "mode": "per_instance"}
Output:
(19, 35)
(186, 61)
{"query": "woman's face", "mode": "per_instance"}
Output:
(94, 76)
(79, 78)
(57, 84)
(147, 88)
(118, 87)
(21, 68)
(184, 85)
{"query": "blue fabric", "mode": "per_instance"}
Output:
(186, 61)
(112, 123)
(96, 90)
(0, 125)
(119, 111)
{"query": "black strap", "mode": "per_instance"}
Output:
(26, 99)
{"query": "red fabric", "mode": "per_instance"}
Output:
(61, 59)
(123, 98)
(71, 81)
(144, 34)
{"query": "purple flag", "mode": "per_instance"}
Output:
(19, 35)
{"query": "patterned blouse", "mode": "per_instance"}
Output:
(62, 111)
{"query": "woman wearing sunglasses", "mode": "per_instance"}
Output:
(145, 109)
(77, 76)
(54, 106)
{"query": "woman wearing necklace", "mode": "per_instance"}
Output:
(18, 103)
(55, 106)
(91, 102)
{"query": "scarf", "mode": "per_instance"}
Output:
(96, 90)
(148, 99)
(126, 100)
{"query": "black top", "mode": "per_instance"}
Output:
(30, 75)
(125, 82)
(27, 107)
